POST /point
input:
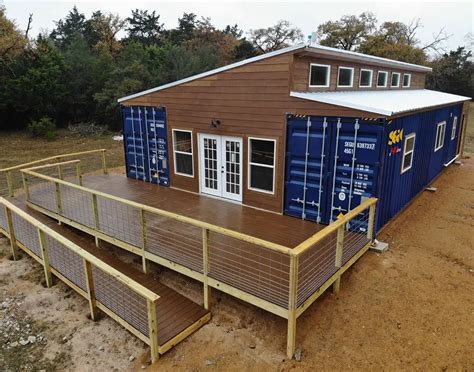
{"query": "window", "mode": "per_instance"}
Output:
(455, 126)
(262, 164)
(183, 152)
(319, 75)
(440, 132)
(395, 79)
(365, 78)
(406, 80)
(408, 150)
(382, 79)
(345, 77)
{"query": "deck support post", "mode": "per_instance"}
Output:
(338, 261)
(145, 265)
(95, 210)
(104, 161)
(11, 191)
(25, 186)
(58, 198)
(45, 256)
(79, 173)
(11, 232)
(205, 267)
(291, 335)
(60, 172)
(371, 222)
(90, 290)
(153, 330)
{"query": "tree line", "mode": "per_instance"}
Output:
(75, 73)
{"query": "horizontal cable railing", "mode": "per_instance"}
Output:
(105, 287)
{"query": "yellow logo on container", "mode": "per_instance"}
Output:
(395, 136)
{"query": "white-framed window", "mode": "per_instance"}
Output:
(261, 171)
(455, 126)
(345, 77)
(382, 78)
(395, 83)
(408, 152)
(365, 80)
(319, 75)
(440, 133)
(406, 80)
(183, 152)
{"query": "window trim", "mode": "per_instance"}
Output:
(328, 77)
(249, 164)
(183, 152)
(371, 78)
(440, 124)
(386, 79)
(405, 153)
(352, 76)
(454, 128)
(391, 80)
(409, 80)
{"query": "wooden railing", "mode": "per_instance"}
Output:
(279, 279)
(49, 247)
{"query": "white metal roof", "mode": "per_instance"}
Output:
(319, 49)
(384, 102)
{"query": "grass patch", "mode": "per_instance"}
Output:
(469, 144)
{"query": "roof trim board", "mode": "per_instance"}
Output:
(387, 102)
(323, 50)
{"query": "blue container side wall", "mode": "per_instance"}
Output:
(397, 189)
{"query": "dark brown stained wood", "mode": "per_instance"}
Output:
(175, 312)
(276, 228)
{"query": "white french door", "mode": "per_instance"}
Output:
(221, 166)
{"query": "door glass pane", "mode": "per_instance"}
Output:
(232, 159)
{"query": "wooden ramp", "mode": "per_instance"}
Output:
(176, 316)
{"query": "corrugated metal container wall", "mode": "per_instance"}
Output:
(397, 188)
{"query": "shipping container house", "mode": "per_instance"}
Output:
(308, 131)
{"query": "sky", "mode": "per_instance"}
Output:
(455, 16)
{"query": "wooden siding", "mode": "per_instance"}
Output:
(250, 101)
(300, 81)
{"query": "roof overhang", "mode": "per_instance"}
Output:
(387, 103)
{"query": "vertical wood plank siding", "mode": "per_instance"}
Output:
(250, 100)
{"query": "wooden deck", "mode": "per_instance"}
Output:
(276, 228)
(175, 312)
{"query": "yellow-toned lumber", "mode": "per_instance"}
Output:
(25, 186)
(132, 284)
(90, 289)
(371, 222)
(144, 238)
(58, 198)
(50, 165)
(205, 266)
(104, 161)
(45, 257)
(338, 260)
(332, 227)
(11, 233)
(153, 330)
(95, 210)
(79, 173)
(291, 333)
(11, 191)
(191, 221)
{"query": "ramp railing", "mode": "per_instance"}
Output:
(106, 288)
(279, 279)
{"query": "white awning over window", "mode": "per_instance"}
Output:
(384, 102)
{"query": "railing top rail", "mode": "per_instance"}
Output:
(134, 285)
(191, 221)
(50, 165)
(21, 166)
(333, 227)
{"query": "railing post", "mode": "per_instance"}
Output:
(11, 232)
(25, 186)
(95, 209)
(338, 260)
(104, 161)
(205, 268)
(11, 191)
(58, 198)
(60, 172)
(79, 173)
(291, 334)
(371, 222)
(153, 330)
(90, 289)
(45, 256)
(144, 237)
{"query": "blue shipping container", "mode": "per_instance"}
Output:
(333, 164)
(146, 144)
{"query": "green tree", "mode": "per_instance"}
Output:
(276, 37)
(145, 27)
(68, 28)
